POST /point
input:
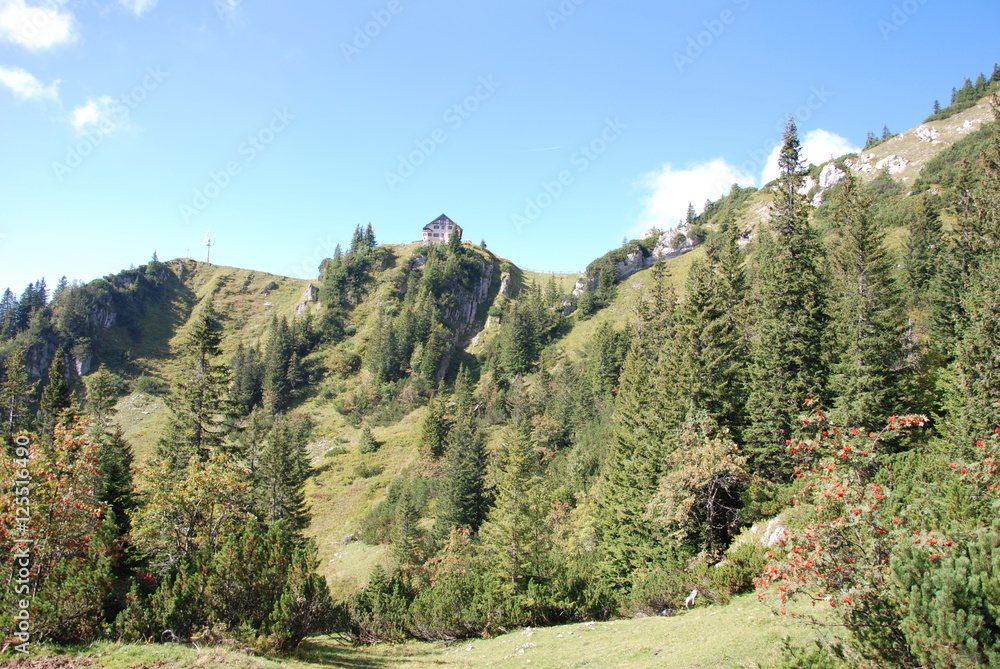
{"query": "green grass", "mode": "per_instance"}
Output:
(622, 310)
(742, 633)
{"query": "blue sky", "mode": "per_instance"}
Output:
(550, 129)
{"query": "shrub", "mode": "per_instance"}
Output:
(150, 385)
(738, 571)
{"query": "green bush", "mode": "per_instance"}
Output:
(150, 385)
(737, 573)
(367, 471)
(952, 600)
(816, 656)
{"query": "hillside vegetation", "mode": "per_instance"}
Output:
(791, 406)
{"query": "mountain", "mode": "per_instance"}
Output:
(490, 448)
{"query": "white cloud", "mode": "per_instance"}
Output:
(818, 146)
(35, 28)
(228, 10)
(26, 86)
(671, 190)
(104, 115)
(138, 7)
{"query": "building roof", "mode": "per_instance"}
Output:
(442, 220)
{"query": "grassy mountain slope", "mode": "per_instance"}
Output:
(741, 634)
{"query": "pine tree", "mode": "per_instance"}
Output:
(201, 414)
(689, 218)
(788, 320)
(56, 396)
(937, 107)
(650, 408)
(713, 328)
(868, 317)
(275, 387)
(406, 539)
(462, 499)
(61, 287)
(8, 315)
(284, 468)
(434, 431)
(15, 395)
(247, 374)
(369, 239)
(923, 249)
(114, 455)
(515, 536)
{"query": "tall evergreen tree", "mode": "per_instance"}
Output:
(973, 405)
(515, 537)
(923, 249)
(713, 326)
(275, 386)
(434, 432)
(788, 320)
(15, 395)
(201, 414)
(868, 317)
(649, 409)
(462, 499)
(8, 315)
(406, 539)
(57, 396)
(248, 376)
(281, 476)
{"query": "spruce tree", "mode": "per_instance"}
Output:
(515, 538)
(115, 454)
(434, 432)
(8, 315)
(713, 326)
(201, 414)
(284, 468)
(406, 539)
(57, 396)
(461, 501)
(923, 249)
(275, 387)
(247, 374)
(788, 320)
(650, 408)
(15, 395)
(868, 317)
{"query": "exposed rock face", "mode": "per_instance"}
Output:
(584, 283)
(418, 261)
(831, 176)
(807, 185)
(506, 287)
(84, 363)
(467, 302)
(310, 296)
(268, 288)
(862, 164)
(926, 133)
(894, 164)
(633, 262)
(969, 126)
(673, 244)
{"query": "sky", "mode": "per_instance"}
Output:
(551, 129)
